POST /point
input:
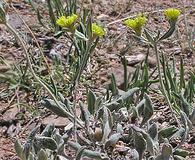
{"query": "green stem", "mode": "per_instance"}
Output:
(164, 92)
(11, 29)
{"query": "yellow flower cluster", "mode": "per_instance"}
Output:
(67, 22)
(136, 24)
(172, 14)
(97, 30)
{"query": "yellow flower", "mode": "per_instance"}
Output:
(136, 24)
(67, 22)
(172, 14)
(97, 30)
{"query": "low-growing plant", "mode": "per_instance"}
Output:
(106, 124)
(153, 39)
(121, 115)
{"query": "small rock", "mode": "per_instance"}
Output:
(135, 59)
(118, 71)
(57, 121)
(10, 114)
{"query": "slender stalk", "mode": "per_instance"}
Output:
(69, 115)
(162, 84)
(41, 51)
(77, 80)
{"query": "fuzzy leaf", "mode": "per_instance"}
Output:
(176, 157)
(148, 110)
(181, 152)
(119, 128)
(106, 131)
(140, 144)
(80, 153)
(192, 117)
(19, 149)
(88, 153)
(134, 155)
(29, 142)
(51, 105)
(153, 131)
(167, 151)
(140, 106)
(42, 155)
(111, 142)
(128, 94)
(91, 100)
(167, 132)
(179, 133)
(31, 156)
(46, 142)
(150, 145)
(48, 130)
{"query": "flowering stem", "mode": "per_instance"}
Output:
(164, 92)
(41, 51)
(69, 115)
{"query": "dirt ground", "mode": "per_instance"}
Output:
(105, 60)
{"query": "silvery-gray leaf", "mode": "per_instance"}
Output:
(113, 139)
(80, 153)
(106, 131)
(192, 117)
(31, 156)
(19, 149)
(148, 109)
(134, 155)
(167, 132)
(42, 155)
(46, 142)
(179, 133)
(48, 130)
(91, 100)
(153, 131)
(167, 151)
(51, 105)
(128, 94)
(119, 128)
(181, 152)
(140, 144)
(176, 157)
(185, 120)
(123, 113)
